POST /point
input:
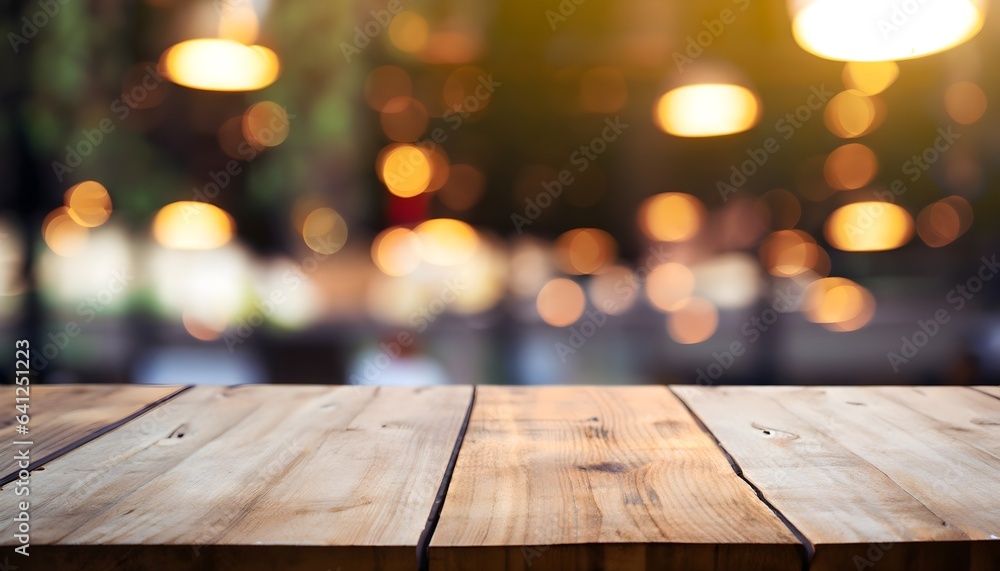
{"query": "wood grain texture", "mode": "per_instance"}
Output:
(252, 477)
(993, 390)
(63, 415)
(588, 478)
(900, 478)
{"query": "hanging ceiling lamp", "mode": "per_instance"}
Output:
(230, 62)
(883, 30)
(710, 100)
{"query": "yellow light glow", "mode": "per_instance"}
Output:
(850, 114)
(396, 251)
(324, 231)
(446, 241)
(850, 167)
(265, 124)
(585, 250)
(88, 203)
(458, 45)
(239, 23)
(707, 110)
(869, 227)
(189, 225)
(789, 253)
(965, 102)
(870, 78)
(693, 320)
(560, 302)
(62, 234)
(882, 30)
(838, 303)
(406, 170)
(671, 217)
(409, 32)
(220, 65)
(942, 222)
(669, 284)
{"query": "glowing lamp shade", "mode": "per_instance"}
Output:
(707, 110)
(882, 30)
(446, 241)
(88, 203)
(220, 65)
(406, 170)
(671, 217)
(838, 304)
(189, 225)
(869, 227)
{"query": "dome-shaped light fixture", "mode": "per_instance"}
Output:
(883, 30)
(707, 101)
(869, 227)
(216, 64)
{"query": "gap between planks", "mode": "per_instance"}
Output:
(990, 393)
(809, 549)
(95, 435)
(424, 542)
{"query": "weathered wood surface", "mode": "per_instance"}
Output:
(62, 416)
(252, 477)
(989, 389)
(586, 478)
(548, 478)
(896, 478)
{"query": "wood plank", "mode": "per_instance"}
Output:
(875, 478)
(264, 477)
(962, 413)
(611, 478)
(992, 390)
(61, 416)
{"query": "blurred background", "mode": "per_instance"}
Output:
(512, 191)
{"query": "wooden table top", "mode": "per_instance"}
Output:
(493, 478)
